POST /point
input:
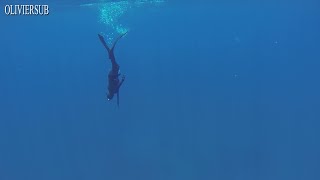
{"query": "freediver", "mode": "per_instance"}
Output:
(113, 77)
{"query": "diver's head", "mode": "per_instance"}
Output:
(109, 96)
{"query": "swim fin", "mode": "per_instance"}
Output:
(115, 42)
(104, 42)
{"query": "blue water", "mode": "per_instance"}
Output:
(222, 90)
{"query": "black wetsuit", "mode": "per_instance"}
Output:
(113, 77)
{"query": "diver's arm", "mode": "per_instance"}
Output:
(118, 96)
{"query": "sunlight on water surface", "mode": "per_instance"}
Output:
(111, 12)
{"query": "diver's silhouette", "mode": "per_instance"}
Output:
(113, 76)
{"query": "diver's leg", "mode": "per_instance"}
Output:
(110, 52)
(115, 69)
(115, 66)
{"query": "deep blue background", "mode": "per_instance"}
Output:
(222, 90)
